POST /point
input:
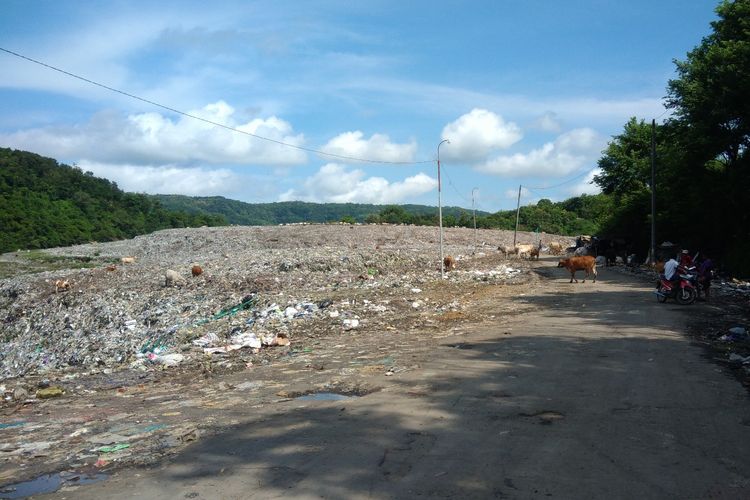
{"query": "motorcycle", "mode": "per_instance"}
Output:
(684, 293)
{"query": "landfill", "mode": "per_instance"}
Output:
(176, 296)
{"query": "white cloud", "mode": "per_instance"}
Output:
(548, 122)
(151, 138)
(476, 134)
(377, 147)
(527, 197)
(568, 153)
(585, 186)
(167, 179)
(333, 183)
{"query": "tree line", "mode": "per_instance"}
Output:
(702, 170)
(45, 204)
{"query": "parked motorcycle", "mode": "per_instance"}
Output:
(684, 293)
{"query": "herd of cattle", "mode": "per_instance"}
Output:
(583, 256)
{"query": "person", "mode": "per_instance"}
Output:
(705, 273)
(672, 272)
(686, 260)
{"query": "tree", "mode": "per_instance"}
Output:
(713, 85)
(712, 111)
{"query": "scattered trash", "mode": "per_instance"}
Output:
(50, 392)
(113, 448)
(11, 424)
(350, 324)
(736, 334)
(323, 396)
(172, 359)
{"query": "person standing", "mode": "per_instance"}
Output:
(705, 273)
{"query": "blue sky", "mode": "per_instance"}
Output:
(527, 92)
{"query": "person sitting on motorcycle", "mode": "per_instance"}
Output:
(672, 272)
(686, 260)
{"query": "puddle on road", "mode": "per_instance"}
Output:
(324, 396)
(48, 483)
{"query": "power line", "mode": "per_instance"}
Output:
(445, 171)
(183, 113)
(560, 184)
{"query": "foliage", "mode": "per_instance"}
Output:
(580, 215)
(44, 204)
(263, 214)
(702, 162)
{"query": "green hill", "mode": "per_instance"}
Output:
(259, 214)
(45, 204)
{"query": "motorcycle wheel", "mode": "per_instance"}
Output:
(686, 296)
(662, 294)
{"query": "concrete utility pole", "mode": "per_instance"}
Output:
(440, 210)
(652, 260)
(518, 211)
(474, 210)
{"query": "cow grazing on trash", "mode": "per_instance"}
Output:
(586, 263)
(449, 263)
(555, 248)
(526, 250)
(506, 250)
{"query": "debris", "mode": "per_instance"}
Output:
(127, 260)
(196, 270)
(62, 286)
(114, 448)
(20, 394)
(50, 392)
(350, 324)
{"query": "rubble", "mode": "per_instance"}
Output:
(254, 289)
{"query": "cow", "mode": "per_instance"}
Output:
(449, 263)
(520, 250)
(555, 248)
(506, 250)
(586, 263)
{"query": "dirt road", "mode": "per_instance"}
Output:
(587, 390)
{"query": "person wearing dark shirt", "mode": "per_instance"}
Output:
(705, 273)
(686, 260)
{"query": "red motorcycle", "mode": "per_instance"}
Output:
(684, 292)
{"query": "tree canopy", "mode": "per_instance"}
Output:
(702, 174)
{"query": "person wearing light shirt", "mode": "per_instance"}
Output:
(671, 269)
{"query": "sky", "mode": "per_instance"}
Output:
(340, 101)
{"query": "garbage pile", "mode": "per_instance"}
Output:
(178, 295)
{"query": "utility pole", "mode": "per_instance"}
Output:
(440, 210)
(474, 210)
(518, 211)
(652, 260)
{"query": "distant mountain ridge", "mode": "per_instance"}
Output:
(45, 204)
(285, 212)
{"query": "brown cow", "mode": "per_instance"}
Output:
(586, 263)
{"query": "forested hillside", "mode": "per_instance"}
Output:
(261, 214)
(45, 204)
(579, 215)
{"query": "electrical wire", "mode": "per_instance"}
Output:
(183, 113)
(560, 184)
